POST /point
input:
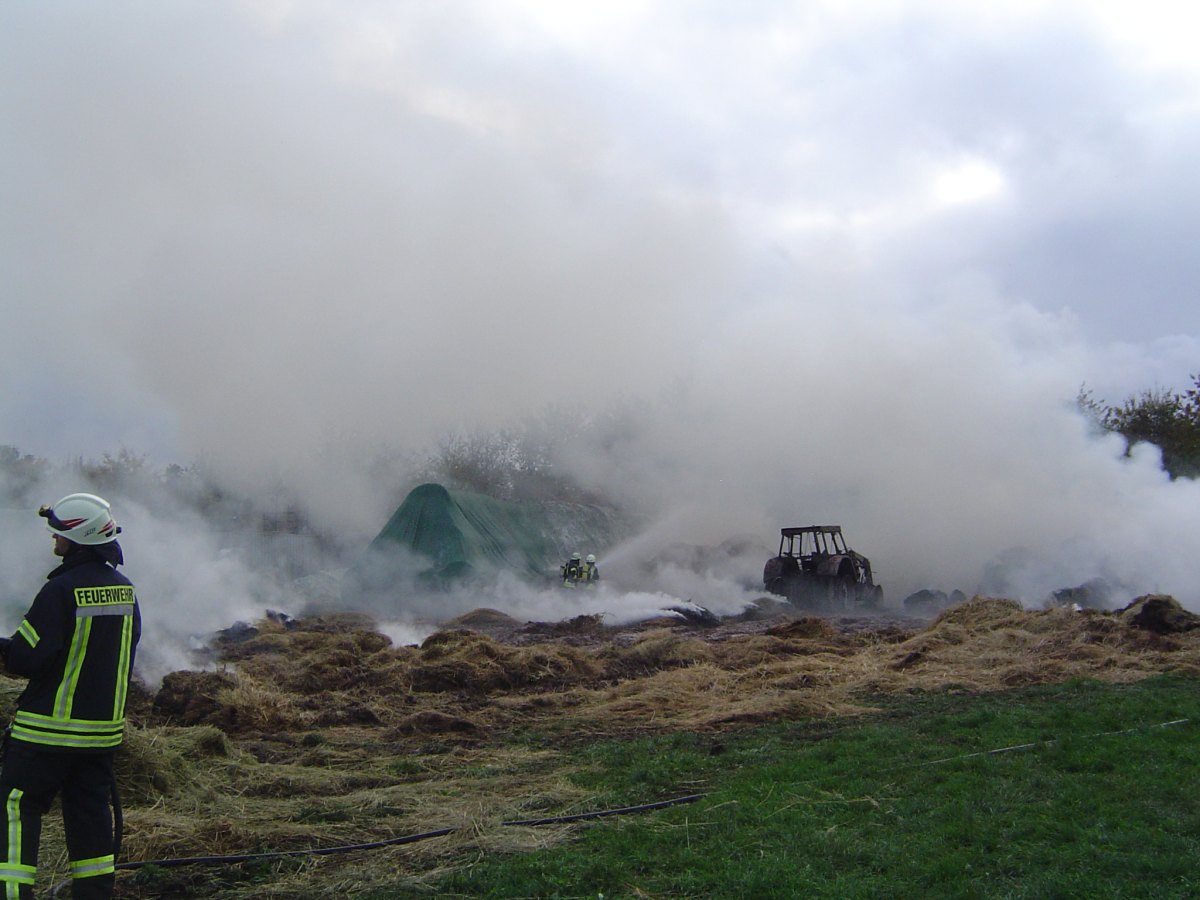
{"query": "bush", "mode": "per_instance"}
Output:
(1169, 420)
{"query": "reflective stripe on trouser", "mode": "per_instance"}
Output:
(17, 880)
(90, 868)
(32, 776)
(16, 876)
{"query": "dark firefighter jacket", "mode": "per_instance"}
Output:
(76, 644)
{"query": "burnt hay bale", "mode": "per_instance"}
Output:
(1159, 613)
(430, 721)
(813, 627)
(191, 698)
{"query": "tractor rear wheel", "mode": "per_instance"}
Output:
(841, 589)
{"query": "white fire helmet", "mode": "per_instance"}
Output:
(82, 518)
(591, 557)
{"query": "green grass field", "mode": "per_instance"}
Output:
(904, 803)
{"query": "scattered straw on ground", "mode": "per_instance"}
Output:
(320, 732)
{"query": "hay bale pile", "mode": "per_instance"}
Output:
(311, 675)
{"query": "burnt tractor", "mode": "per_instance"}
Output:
(816, 570)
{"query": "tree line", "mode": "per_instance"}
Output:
(1170, 420)
(523, 463)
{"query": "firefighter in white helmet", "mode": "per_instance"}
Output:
(591, 572)
(76, 644)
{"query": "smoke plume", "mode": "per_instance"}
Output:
(786, 270)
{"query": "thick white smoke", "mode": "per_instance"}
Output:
(797, 273)
(941, 440)
(192, 577)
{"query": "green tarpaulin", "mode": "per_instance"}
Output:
(461, 533)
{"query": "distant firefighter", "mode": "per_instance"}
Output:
(591, 572)
(572, 571)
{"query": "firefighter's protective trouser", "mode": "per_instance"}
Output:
(30, 779)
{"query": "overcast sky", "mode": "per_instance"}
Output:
(264, 234)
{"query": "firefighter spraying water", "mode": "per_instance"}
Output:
(576, 572)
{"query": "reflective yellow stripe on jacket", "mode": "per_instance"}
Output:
(61, 729)
(53, 731)
(28, 632)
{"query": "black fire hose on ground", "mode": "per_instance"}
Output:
(579, 817)
(281, 854)
(346, 848)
